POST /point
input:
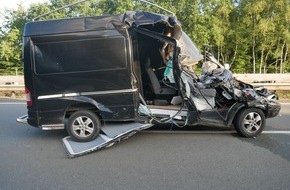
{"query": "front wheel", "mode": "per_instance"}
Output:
(250, 122)
(83, 126)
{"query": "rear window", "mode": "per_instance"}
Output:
(80, 55)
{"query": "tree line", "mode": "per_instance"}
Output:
(253, 36)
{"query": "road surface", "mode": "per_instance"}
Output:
(196, 159)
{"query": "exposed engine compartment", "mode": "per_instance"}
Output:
(228, 89)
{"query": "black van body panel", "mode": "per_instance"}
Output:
(95, 23)
(67, 59)
(54, 110)
(61, 26)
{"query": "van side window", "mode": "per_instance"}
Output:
(95, 54)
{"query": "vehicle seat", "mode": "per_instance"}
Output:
(203, 98)
(155, 84)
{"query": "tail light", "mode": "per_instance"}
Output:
(28, 97)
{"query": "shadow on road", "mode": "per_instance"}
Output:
(278, 144)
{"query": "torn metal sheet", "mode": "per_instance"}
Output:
(112, 133)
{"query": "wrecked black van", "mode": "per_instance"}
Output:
(82, 73)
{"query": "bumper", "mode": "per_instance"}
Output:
(27, 119)
(272, 110)
(22, 119)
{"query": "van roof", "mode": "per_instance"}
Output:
(81, 24)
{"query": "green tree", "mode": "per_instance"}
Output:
(10, 50)
(281, 18)
(11, 38)
(251, 35)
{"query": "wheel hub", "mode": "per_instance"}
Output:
(252, 122)
(83, 126)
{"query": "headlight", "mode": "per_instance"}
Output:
(250, 92)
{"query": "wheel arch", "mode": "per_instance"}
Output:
(234, 111)
(241, 108)
(80, 106)
(85, 103)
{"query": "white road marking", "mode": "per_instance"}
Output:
(12, 103)
(276, 132)
(209, 132)
(187, 132)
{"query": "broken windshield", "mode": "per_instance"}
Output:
(189, 54)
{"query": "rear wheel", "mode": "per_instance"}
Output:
(83, 126)
(250, 122)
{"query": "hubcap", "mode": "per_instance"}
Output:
(83, 126)
(252, 122)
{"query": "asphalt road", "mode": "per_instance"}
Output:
(207, 159)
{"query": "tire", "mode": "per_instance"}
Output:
(83, 126)
(250, 122)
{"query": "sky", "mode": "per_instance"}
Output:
(12, 4)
